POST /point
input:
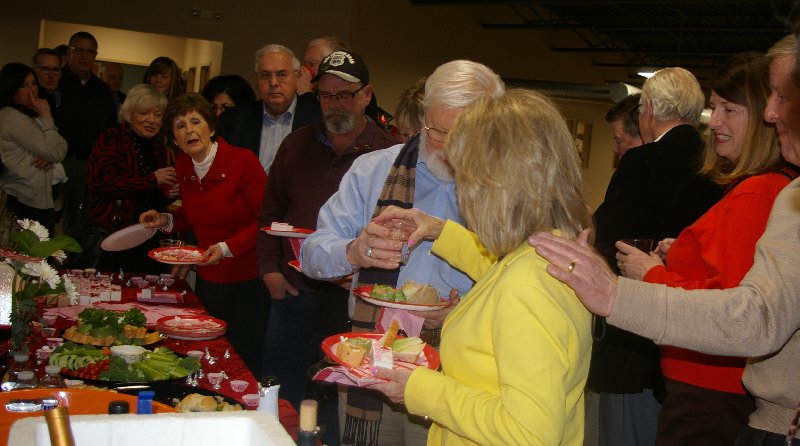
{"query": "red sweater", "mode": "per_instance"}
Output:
(716, 252)
(223, 207)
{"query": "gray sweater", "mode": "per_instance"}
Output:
(760, 319)
(21, 139)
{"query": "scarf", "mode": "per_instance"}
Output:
(364, 406)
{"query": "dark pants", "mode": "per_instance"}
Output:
(74, 193)
(244, 306)
(756, 437)
(692, 415)
(297, 326)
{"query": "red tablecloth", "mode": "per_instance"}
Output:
(234, 366)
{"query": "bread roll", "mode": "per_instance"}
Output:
(420, 294)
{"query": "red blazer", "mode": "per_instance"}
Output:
(223, 206)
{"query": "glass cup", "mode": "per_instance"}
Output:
(642, 244)
(399, 234)
(170, 243)
(215, 379)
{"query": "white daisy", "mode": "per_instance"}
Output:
(35, 227)
(70, 290)
(44, 272)
(60, 256)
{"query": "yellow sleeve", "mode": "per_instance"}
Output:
(461, 248)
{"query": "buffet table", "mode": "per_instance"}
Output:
(233, 366)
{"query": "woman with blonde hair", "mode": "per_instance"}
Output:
(706, 403)
(515, 351)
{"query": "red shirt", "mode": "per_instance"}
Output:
(223, 207)
(716, 252)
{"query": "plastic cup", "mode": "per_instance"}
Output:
(195, 354)
(170, 243)
(251, 400)
(238, 385)
(642, 244)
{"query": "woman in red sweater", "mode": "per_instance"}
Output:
(221, 190)
(706, 403)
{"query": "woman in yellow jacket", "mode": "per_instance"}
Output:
(515, 352)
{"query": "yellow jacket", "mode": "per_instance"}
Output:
(515, 354)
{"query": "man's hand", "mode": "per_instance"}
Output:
(376, 246)
(278, 286)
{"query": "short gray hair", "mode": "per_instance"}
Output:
(675, 95)
(141, 97)
(459, 83)
(276, 48)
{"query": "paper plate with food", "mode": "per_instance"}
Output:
(360, 353)
(411, 296)
(97, 326)
(184, 398)
(192, 327)
(184, 255)
(281, 229)
(104, 366)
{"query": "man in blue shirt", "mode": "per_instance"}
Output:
(346, 242)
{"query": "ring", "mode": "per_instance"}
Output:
(369, 251)
(571, 266)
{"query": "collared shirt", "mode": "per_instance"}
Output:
(323, 254)
(273, 130)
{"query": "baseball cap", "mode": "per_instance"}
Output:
(347, 66)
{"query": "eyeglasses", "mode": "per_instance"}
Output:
(90, 51)
(342, 96)
(49, 70)
(435, 134)
(268, 75)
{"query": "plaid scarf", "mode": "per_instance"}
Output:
(364, 407)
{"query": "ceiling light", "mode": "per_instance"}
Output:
(647, 72)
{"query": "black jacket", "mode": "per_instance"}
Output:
(83, 111)
(654, 193)
(241, 125)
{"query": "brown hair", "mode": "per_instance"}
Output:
(744, 80)
(188, 103)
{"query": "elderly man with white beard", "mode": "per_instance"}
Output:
(346, 241)
(308, 167)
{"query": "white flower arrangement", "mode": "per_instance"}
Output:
(35, 227)
(70, 290)
(44, 272)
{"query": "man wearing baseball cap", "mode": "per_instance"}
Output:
(308, 167)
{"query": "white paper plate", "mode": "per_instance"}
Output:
(127, 238)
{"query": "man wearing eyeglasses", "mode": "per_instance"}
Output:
(47, 64)
(307, 170)
(347, 242)
(261, 126)
(86, 109)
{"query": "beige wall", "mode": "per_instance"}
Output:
(399, 42)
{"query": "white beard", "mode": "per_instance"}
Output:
(338, 121)
(438, 168)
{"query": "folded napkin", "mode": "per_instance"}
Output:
(409, 323)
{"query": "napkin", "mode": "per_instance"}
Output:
(409, 323)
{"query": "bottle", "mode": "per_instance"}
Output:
(144, 404)
(26, 379)
(58, 426)
(10, 377)
(118, 407)
(268, 389)
(307, 434)
(52, 377)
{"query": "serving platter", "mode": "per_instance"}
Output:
(364, 293)
(127, 238)
(429, 357)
